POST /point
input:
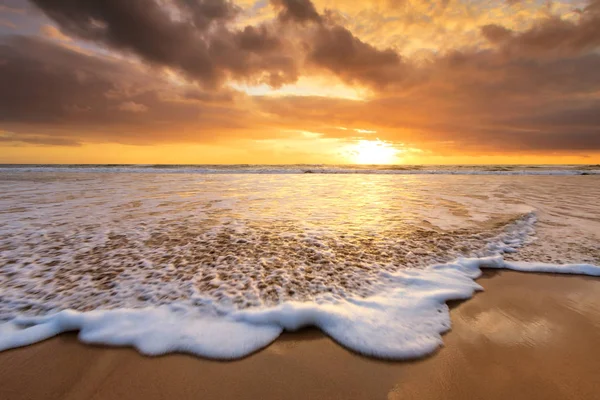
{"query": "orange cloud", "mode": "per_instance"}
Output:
(440, 78)
(53, 33)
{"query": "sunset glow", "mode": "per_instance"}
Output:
(224, 81)
(374, 152)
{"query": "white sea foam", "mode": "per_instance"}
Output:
(153, 331)
(219, 266)
(405, 320)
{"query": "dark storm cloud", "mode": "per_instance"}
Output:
(297, 10)
(188, 35)
(192, 36)
(257, 39)
(52, 94)
(197, 41)
(552, 36)
(205, 12)
(45, 83)
(254, 52)
(336, 49)
(495, 33)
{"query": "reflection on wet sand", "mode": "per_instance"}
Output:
(520, 339)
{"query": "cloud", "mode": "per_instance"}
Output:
(496, 33)
(330, 46)
(478, 102)
(54, 33)
(132, 106)
(13, 10)
(53, 91)
(198, 42)
(297, 10)
(190, 36)
(7, 24)
(336, 49)
(552, 36)
(17, 139)
(517, 88)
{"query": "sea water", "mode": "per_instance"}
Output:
(217, 261)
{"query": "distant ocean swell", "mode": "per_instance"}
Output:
(313, 169)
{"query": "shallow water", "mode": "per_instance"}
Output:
(87, 240)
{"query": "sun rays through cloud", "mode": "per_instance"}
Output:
(457, 81)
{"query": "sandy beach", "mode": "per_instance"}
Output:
(528, 336)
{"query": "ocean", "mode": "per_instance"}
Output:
(218, 261)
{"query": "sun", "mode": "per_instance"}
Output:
(373, 152)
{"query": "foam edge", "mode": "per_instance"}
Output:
(405, 320)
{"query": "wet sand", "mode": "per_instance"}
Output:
(528, 336)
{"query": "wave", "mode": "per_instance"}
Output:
(403, 321)
(160, 276)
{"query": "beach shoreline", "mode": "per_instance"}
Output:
(526, 336)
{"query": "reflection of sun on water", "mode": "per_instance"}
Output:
(373, 152)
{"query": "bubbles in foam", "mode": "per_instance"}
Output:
(135, 261)
(405, 320)
(242, 266)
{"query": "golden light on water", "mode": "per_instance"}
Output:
(374, 152)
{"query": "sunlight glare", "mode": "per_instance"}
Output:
(374, 152)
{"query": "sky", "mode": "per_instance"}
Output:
(300, 81)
